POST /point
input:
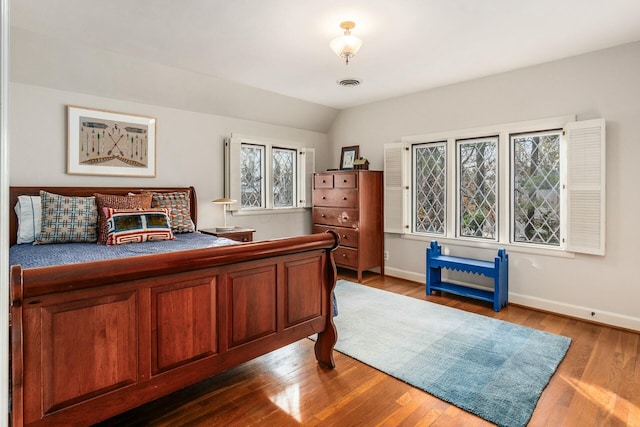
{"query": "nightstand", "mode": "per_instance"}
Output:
(239, 234)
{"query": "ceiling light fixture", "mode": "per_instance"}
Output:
(347, 45)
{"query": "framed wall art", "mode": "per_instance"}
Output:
(109, 143)
(348, 156)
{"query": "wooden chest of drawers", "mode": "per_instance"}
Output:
(350, 203)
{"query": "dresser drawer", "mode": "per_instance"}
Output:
(336, 216)
(346, 257)
(323, 181)
(333, 197)
(348, 236)
(239, 234)
(345, 181)
(245, 236)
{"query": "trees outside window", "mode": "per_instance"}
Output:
(268, 175)
(538, 185)
(536, 188)
(478, 188)
(252, 176)
(283, 177)
(430, 161)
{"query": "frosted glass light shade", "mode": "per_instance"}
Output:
(345, 46)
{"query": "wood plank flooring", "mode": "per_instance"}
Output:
(597, 384)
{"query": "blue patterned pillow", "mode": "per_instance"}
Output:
(137, 225)
(67, 219)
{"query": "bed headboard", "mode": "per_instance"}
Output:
(14, 192)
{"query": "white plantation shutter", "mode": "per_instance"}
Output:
(396, 188)
(586, 186)
(306, 168)
(232, 170)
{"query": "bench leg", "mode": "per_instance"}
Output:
(434, 277)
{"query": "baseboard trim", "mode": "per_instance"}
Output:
(578, 312)
(575, 311)
(407, 275)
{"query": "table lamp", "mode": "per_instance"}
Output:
(224, 202)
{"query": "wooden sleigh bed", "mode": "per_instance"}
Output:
(91, 340)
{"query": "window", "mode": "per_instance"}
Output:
(252, 176)
(478, 188)
(524, 186)
(268, 175)
(536, 188)
(283, 178)
(429, 167)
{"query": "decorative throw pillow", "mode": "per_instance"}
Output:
(136, 226)
(29, 213)
(67, 219)
(131, 201)
(179, 207)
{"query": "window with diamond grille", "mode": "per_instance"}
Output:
(266, 175)
(251, 173)
(429, 166)
(478, 187)
(283, 177)
(536, 188)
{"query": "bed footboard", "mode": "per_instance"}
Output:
(92, 340)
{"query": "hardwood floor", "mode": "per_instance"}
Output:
(597, 384)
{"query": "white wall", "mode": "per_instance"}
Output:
(189, 151)
(76, 67)
(193, 114)
(601, 84)
(4, 223)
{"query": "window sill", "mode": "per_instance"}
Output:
(249, 212)
(557, 253)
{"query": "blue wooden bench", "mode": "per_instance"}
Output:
(498, 270)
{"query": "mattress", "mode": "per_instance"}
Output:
(30, 256)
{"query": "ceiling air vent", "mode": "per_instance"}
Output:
(349, 82)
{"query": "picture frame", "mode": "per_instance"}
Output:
(101, 142)
(348, 156)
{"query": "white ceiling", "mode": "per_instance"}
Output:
(283, 45)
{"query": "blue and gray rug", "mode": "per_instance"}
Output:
(494, 369)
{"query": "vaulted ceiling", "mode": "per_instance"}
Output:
(282, 45)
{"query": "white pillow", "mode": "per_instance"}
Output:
(29, 212)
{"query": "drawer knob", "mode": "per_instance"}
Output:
(323, 216)
(344, 198)
(323, 198)
(344, 180)
(344, 255)
(323, 181)
(344, 236)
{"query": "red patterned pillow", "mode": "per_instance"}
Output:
(136, 225)
(132, 201)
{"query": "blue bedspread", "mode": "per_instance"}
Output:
(30, 256)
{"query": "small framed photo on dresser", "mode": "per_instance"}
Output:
(348, 156)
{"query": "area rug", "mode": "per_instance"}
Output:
(491, 368)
